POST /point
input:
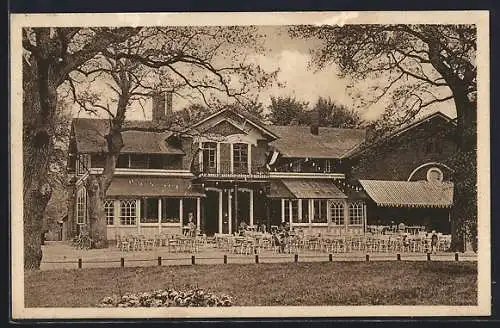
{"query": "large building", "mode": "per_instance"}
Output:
(230, 167)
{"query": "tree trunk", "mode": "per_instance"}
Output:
(464, 211)
(97, 218)
(70, 223)
(39, 104)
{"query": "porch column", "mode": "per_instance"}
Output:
(282, 210)
(181, 213)
(138, 214)
(231, 158)
(200, 155)
(236, 207)
(364, 218)
(229, 214)
(249, 163)
(251, 207)
(299, 209)
(220, 211)
(116, 217)
(217, 154)
(198, 217)
(311, 210)
(159, 215)
(346, 215)
(290, 210)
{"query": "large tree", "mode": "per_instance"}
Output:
(286, 110)
(413, 67)
(49, 54)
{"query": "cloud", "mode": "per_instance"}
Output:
(339, 19)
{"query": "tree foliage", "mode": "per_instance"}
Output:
(414, 67)
(290, 111)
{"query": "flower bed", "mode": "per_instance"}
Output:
(168, 298)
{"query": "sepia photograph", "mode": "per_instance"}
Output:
(299, 164)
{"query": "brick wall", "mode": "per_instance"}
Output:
(396, 158)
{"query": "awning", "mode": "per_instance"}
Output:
(306, 188)
(409, 193)
(278, 190)
(153, 186)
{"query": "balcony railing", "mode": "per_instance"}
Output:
(226, 169)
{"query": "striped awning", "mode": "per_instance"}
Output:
(409, 193)
(315, 189)
(153, 187)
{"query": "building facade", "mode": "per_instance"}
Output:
(223, 170)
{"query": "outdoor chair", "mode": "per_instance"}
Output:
(173, 245)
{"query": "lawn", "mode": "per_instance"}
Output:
(277, 284)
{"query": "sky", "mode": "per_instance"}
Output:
(292, 57)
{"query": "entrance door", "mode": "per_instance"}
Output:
(211, 212)
(243, 208)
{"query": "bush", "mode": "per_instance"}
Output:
(166, 298)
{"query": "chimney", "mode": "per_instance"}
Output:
(315, 122)
(162, 105)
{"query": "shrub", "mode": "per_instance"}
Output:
(166, 298)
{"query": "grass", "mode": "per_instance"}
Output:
(327, 283)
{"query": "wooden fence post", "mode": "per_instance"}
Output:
(79, 263)
(225, 259)
(456, 256)
(398, 257)
(296, 258)
(122, 262)
(257, 258)
(193, 260)
(367, 257)
(428, 256)
(159, 260)
(330, 257)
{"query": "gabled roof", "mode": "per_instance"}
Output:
(298, 141)
(359, 149)
(251, 119)
(409, 193)
(90, 137)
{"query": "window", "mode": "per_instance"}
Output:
(240, 157)
(81, 206)
(128, 210)
(305, 210)
(149, 210)
(139, 161)
(294, 204)
(82, 164)
(109, 210)
(320, 215)
(337, 213)
(170, 210)
(434, 175)
(328, 165)
(210, 154)
(122, 161)
(155, 162)
(297, 166)
(356, 213)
